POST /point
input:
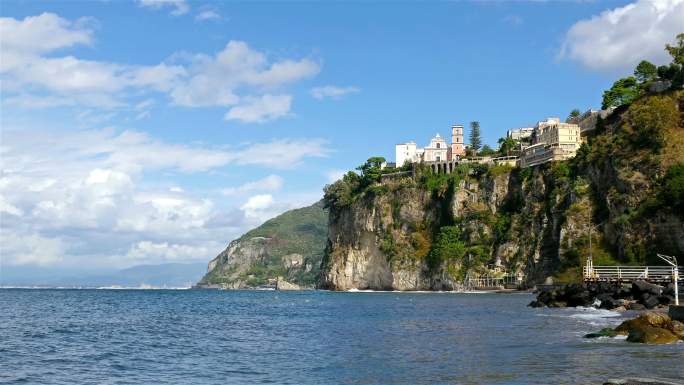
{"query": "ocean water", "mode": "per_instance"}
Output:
(261, 337)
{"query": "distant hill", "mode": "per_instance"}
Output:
(290, 245)
(170, 275)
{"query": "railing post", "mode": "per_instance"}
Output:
(646, 273)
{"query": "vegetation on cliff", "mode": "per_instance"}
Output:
(290, 245)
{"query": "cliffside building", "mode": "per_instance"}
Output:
(587, 121)
(437, 151)
(551, 140)
(523, 134)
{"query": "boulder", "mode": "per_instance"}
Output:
(651, 335)
(650, 328)
(641, 287)
(677, 328)
(659, 320)
(282, 284)
(607, 301)
(650, 301)
(636, 306)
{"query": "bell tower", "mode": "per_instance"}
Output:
(457, 147)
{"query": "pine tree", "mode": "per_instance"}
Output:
(475, 140)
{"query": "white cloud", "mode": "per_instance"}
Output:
(335, 175)
(35, 75)
(43, 33)
(261, 109)
(143, 251)
(269, 183)
(282, 153)
(208, 14)
(621, 37)
(180, 7)
(213, 81)
(259, 208)
(333, 92)
(24, 249)
(84, 198)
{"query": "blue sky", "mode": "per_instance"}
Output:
(155, 131)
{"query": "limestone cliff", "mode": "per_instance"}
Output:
(289, 246)
(421, 231)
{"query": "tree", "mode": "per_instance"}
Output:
(371, 170)
(677, 65)
(507, 145)
(575, 113)
(475, 140)
(645, 72)
(623, 91)
(487, 151)
(677, 51)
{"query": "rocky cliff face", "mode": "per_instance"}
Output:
(289, 246)
(429, 232)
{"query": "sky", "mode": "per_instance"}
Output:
(157, 131)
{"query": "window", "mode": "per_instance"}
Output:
(437, 147)
(438, 155)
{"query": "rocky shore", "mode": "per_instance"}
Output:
(649, 327)
(640, 295)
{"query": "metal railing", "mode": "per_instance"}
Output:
(493, 281)
(630, 273)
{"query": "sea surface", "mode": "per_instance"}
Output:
(261, 337)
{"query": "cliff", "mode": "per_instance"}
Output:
(424, 231)
(289, 246)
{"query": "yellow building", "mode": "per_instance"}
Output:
(552, 140)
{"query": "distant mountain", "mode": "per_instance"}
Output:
(169, 275)
(290, 245)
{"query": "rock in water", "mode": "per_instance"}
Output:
(651, 335)
(650, 328)
(606, 332)
(283, 285)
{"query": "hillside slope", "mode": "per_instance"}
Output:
(290, 245)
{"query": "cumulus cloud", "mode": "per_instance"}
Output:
(619, 38)
(214, 80)
(84, 198)
(35, 75)
(261, 109)
(269, 183)
(333, 92)
(180, 7)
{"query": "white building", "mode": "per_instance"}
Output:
(405, 153)
(437, 150)
(519, 134)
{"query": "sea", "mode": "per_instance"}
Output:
(53, 336)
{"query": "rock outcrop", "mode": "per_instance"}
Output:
(649, 328)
